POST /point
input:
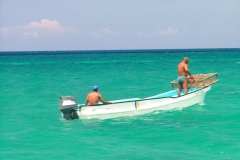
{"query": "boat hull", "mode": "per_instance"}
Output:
(141, 106)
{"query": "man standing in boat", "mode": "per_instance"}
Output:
(94, 97)
(183, 71)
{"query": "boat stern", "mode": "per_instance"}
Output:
(68, 107)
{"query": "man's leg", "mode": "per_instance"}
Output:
(179, 89)
(185, 85)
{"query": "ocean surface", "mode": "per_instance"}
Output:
(31, 125)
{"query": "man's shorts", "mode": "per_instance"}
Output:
(180, 79)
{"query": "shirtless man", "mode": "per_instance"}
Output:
(183, 71)
(94, 97)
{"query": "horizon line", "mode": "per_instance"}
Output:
(117, 49)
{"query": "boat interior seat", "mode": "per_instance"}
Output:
(173, 93)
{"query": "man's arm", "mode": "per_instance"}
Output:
(186, 69)
(103, 101)
(188, 72)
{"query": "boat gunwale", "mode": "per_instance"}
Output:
(80, 106)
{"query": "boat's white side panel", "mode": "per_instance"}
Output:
(177, 102)
(110, 108)
(138, 107)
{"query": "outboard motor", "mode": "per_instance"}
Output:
(68, 106)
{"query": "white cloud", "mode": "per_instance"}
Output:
(4, 31)
(45, 24)
(232, 32)
(37, 29)
(168, 31)
(142, 34)
(103, 32)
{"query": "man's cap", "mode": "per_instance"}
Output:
(95, 87)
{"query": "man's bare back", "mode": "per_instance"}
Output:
(183, 69)
(94, 97)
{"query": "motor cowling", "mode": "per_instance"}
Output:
(68, 106)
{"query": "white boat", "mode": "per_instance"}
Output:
(70, 109)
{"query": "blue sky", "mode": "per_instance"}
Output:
(43, 25)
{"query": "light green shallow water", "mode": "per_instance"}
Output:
(32, 126)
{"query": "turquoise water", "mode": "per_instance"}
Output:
(31, 126)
